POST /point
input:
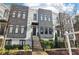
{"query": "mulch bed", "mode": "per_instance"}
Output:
(24, 53)
(20, 53)
(63, 52)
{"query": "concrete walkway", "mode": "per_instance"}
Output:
(37, 48)
(39, 53)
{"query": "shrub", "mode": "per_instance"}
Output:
(8, 47)
(26, 47)
(47, 44)
(15, 46)
(2, 50)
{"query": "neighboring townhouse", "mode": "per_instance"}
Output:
(17, 26)
(4, 14)
(25, 22)
(65, 24)
(76, 27)
(45, 22)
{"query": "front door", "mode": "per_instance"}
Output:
(34, 30)
(22, 43)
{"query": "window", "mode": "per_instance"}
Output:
(22, 29)
(46, 31)
(50, 31)
(41, 17)
(14, 12)
(8, 42)
(35, 17)
(17, 28)
(19, 14)
(6, 13)
(24, 15)
(45, 17)
(41, 30)
(49, 18)
(11, 29)
(22, 42)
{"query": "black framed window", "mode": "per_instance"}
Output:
(8, 42)
(35, 17)
(50, 31)
(46, 30)
(22, 42)
(41, 30)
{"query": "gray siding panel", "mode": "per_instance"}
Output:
(17, 21)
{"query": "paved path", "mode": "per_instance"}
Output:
(37, 48)
(36, 44)
(39, 53)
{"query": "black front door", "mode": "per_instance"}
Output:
(22, 43)
(34, 30)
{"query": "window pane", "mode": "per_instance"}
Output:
(11, 29)
(24, 15)
(17, 28)
(46, 31)
(41, 17)
(13, 15)
(41, 30)
(50, 31)
(35, 17)
(19, 14)
(8, 42)
(22, 29)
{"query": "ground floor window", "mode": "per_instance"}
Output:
(22, 42)
(46, 30)
(41, 30)
(8, 42)
(50, 31)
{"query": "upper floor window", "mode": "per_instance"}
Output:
(23, 15)
(19, 14)
(35, 17)
(16, 29)
(22, 29)
(14, 13)
(49, 19)
(45, 17)
(11, 29)
(41, 17)
(6, 13)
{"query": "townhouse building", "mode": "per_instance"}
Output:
(76, 27)
(4, 14)
(25, 22)
(66, 24)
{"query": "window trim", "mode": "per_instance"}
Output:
(19, 14)
(14, 14)
(17, 29)
(24, 15)
(10, 28)
(22, 29)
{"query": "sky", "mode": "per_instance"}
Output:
(70, 8)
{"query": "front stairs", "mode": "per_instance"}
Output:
(36, 44)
